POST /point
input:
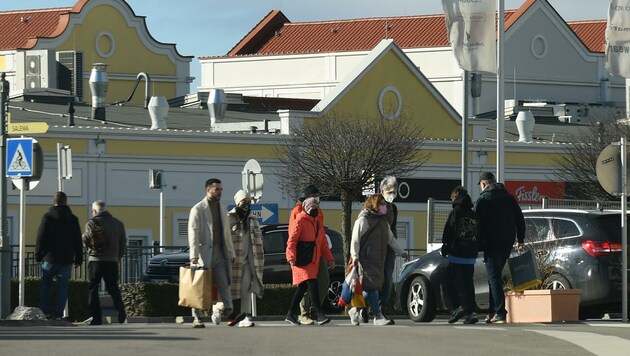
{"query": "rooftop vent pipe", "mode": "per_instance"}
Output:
(98, 87)
(147, 96)
(217, 106)
(158, 110)
(525, 125)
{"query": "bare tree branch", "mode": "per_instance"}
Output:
(340, 153)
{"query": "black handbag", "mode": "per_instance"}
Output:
(305, 250)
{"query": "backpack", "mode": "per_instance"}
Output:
(97, 241)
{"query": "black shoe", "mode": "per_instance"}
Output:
(456, 315)
(291, 319)
(96, 322)
(122, 318)
(364, 315)
(322, 319)
(392, 322)
(237, 319)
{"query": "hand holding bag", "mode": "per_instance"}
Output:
(305, 250)
(195, 287)
(524, 271)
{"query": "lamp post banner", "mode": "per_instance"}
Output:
(618, 38)
(471, 29)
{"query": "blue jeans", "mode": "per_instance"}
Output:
(372, 300)
(62, 274)
(495, 261)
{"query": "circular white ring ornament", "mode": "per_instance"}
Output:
(112, 47)
(381, 107)
(539, 46)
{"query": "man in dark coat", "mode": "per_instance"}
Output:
(58, 245)
(103, 264)
(500, 222)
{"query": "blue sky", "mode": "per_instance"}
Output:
(213, 27)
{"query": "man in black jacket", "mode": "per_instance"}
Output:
(58, 245)
(500, 222)
(103, 264)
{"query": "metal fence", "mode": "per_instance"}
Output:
(438, 210)
(132, 266)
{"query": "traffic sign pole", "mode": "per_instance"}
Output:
(22, 244)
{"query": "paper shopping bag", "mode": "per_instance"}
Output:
(195, 287)
(524, 271)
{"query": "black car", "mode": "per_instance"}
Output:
(165, 267)
(575, 248)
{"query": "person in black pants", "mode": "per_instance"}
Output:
(459, 247)
(103, 260)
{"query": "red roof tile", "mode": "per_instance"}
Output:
(20, 29)
(591, 33)
(275, 34)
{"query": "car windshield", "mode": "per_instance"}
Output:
(609, 225)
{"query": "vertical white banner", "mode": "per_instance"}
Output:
(618, 38)
(471, 29)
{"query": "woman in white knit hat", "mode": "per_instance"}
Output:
(247, 270)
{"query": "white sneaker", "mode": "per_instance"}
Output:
(246, 323)
(382, 321)
(216, 314)
(354, 316)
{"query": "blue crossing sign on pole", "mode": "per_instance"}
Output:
(19, 159)
(265, 213)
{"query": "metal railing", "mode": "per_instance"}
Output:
(132, 265)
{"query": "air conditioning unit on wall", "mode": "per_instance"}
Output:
(36, 69)
(70, 72)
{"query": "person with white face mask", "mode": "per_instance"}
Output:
(389, 191)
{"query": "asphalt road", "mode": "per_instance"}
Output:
(337, 338)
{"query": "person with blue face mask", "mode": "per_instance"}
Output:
(371, 236)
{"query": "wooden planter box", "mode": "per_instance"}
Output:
(531, 306)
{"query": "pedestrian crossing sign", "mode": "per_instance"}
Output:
(19, 159)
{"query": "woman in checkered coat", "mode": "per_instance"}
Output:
(247, 270)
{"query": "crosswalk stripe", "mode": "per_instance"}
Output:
(596, 343)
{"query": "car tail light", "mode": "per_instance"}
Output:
(600, 248)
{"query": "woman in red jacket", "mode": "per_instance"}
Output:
(307, 228)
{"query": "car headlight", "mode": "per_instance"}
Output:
(405, 266)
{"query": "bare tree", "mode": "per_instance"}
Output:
(577, 164)
(340, 153)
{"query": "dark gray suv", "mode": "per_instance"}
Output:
(576, 248)
(165, 267)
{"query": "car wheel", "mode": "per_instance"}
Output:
(331, 301)
(556, 281)
(421, 300)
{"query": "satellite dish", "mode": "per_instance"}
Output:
(608, 169)
(253, 179)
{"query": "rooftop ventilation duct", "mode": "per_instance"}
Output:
(158, 110)
(98, 87)
(525, 125)
(217, 106)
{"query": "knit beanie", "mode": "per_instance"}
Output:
(310, 191)
(308, 203)
(240, 195)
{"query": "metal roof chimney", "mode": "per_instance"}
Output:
(98, 87)
(217, 105)
(158, 110)
(525, 125)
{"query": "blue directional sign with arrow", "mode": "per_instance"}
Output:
(265, 213)
(19, 159)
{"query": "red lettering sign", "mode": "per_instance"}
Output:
(533, 192)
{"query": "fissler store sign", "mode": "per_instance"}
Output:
(529, 192)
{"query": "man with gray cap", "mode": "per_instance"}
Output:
(500, 222)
